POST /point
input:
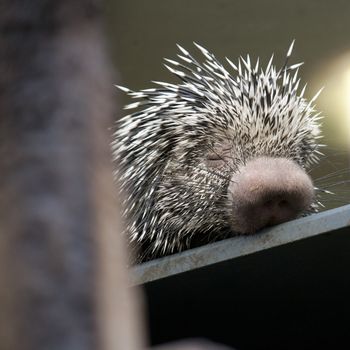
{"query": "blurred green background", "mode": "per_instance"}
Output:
(142, 32)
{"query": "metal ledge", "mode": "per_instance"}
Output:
(239, 246)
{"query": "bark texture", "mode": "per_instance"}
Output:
(63, 284)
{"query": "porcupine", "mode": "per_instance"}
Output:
(221, 153)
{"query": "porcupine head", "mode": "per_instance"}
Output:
(225, 151)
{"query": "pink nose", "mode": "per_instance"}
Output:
(268, 191)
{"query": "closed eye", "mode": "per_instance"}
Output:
(214, 156)
(215, 160)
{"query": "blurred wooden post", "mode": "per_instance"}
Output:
(63, 285)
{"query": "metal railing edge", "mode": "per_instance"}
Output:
(238, 246)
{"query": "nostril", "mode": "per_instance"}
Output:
(276, 203)
(276, 210)
(268, 204)
(283, 203)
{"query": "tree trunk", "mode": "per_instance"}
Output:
(62, 281)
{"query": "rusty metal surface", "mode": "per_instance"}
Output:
(235, 247)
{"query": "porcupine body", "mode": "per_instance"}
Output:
(221, 153)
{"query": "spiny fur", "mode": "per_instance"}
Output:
(170, 195)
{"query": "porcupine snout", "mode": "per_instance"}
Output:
(267, 191)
